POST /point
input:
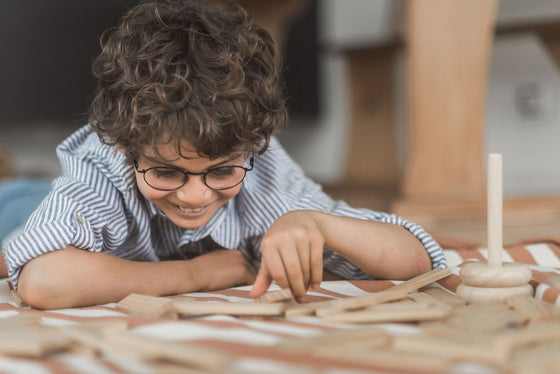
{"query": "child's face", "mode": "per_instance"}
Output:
(193, 204)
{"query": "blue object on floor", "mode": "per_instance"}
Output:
(18, 199)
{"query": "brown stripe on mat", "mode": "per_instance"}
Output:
(551, 295)
(519, 253)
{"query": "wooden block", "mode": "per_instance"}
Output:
(387, 359)
(451, 349)
(423, 280)
(19, 320)
(306, 309)
(542, 358)
(441, 329)
(533, 309)
(369, 336)
(32, 341)
(283, 296)
(86, 337)
(537, 333)
(485, 318)
(238, 309)
(106, 325)
(445, 296)
(93, 341)
(359, 302)
(427, 299)
(192, 355)
(145, 306)
(389, 313)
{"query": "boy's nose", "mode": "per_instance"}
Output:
(194, 190)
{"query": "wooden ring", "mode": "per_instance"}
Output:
(480, 274)
(485, 295)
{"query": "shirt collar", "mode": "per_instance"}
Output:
(223, 227)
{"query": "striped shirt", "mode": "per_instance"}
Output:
(96, 206)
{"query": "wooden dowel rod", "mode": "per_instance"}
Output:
(495, 244)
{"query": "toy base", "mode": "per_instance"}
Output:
(491, 294)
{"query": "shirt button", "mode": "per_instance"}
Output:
(79, 219)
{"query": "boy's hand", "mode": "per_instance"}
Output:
(292, 254)
(232, 267)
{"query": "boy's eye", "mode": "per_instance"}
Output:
(227, 171)
(166, 173)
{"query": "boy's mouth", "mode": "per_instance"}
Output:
(188, 210)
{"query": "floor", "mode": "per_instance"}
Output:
(31, 147)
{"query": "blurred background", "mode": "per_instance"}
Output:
(394, 104)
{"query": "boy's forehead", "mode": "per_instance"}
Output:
(168, 152)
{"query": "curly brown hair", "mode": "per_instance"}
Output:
(193, 70)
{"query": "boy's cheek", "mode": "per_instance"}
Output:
(148, 192)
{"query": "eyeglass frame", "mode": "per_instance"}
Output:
(187, 173)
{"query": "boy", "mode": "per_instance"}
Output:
(169, 189)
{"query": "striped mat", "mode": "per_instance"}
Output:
(252, 343)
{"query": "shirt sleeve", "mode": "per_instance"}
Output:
(73, 213)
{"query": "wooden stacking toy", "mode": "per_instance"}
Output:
(494, 281)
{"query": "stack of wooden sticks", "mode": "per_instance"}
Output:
(520, 336)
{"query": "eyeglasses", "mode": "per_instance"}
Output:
(170, 179)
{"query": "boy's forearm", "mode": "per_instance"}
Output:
(382, 250)
(72, 277)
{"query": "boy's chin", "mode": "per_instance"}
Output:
(189, 223)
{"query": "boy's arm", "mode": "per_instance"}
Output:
(72, 277)
(292, 250)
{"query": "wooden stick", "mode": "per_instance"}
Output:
(145, 306)
(542, 358)
(283, 296)
(351, 303)
(495, 245)
(372, 336)
(445, 296)
(238, 309)
(532, 334)
(427, 299)
(389, 313)
(485, 318)
(397, 292)
(306, 309)
(387, 359)
(423, 280)
(184, 353)
(19, 320)
(451, 349)
(32, 341)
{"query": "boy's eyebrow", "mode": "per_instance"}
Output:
(169, 165)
